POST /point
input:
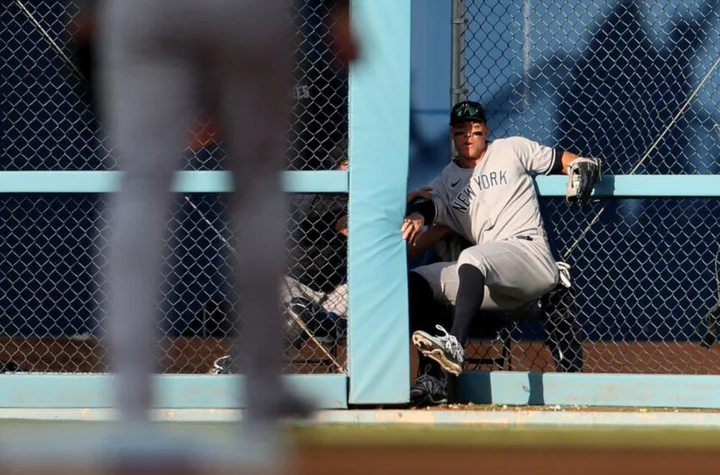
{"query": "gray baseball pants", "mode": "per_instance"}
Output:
(163, 61)
(516, 271)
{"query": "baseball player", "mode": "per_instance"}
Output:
(487, 196)
(159, 63)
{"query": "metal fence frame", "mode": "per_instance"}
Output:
(379, 112)
(379, 347)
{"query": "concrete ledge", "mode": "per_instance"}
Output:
(503, 418)
(517, 388)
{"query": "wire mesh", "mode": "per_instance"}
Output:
(52, 273)
(602, 78)
(53, 277)
(637, 84)
(49, 125)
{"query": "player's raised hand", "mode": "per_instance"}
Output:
(412, 227)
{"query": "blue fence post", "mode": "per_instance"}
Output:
(379, 111)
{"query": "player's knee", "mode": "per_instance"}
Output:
(551, 281)
(471, 258)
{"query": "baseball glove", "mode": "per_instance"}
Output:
(583, 173)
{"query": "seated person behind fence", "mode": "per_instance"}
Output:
(487, 196)
(315, 287)
(303, 289)
(317, 277)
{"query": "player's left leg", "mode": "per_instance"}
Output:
(510, 273)
(293, 289)
(425, 313)
(337, 301)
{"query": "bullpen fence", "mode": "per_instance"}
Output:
(633, 83)
(638, 85)
(52, 274)
(58, 166)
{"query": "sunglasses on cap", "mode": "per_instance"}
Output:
(467, 111)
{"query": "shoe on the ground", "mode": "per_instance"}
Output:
(428, 390)
(446, 350)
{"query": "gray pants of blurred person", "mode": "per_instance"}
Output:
(161, 62)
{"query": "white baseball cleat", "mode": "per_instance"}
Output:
(446, 350)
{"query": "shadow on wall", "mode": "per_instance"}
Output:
(645, 268)
(613, 100)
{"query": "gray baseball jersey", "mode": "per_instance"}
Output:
(493, 205)
(496, 200)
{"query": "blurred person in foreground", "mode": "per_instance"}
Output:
(158, 63)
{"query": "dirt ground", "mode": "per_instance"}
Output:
(178, 355)
(378, 461)
(196, 355)
(368, 461)
(376, 450)
(440, 450)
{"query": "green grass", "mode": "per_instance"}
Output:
(456, 436)
(478, 436)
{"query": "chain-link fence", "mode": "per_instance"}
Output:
(52, 295)
(637, 84)
(48, 124)
(52, 274)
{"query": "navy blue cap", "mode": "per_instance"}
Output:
(467, 111)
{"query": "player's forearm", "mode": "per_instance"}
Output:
(427, 240)
(424, 207)
(565, 160)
